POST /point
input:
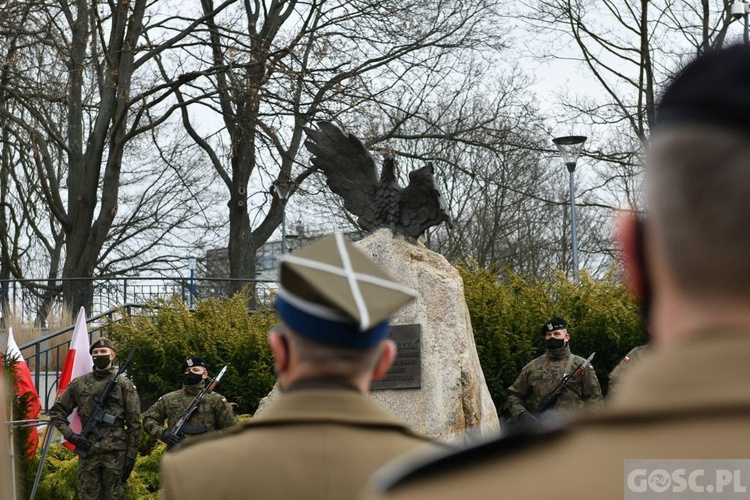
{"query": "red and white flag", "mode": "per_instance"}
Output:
(78, 362)
(24, 384)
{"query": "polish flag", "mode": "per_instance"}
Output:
(25, 385)
(78, 362)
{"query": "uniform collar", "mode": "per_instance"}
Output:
(709, 370)
(326, 405)
(558, 354)
(104, 374)
(193, 390)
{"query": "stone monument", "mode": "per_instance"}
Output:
(450, 401)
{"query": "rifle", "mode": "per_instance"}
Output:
(180, 427)
(99, 415)
(551, 397)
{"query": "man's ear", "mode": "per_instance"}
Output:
(629, 234)
(280, 350)
(386, 359)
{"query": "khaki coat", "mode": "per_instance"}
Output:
(691, 402)
(308, 444)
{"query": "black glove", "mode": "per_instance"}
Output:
(127, 468)
(169, 438)
(527, 418)
(80, 441)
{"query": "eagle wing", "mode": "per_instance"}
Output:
(421, 205)
(349, 168)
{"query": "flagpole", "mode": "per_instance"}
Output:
(11, 448)
(40, 469)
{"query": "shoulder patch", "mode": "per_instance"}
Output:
(626, 358)
(591, 367)
(224, 400)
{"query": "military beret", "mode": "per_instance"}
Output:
(713, 89)
(101, 342)
(553, 324)
(331, 292)
(194, 361)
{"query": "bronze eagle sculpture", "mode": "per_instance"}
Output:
(351, 173)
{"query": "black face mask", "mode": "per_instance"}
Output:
(553, 343)
(101, 362)
(191, 378)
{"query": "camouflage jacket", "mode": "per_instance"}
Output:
(635, 356)
(123, 404)
(542, 374)
(213, 413)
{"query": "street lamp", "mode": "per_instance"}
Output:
(191, 265)
(570, 147)
(284, 189)
(739, 9)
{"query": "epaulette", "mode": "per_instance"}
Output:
(396, 474)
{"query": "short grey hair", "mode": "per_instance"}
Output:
(698, 183)
(335, 361)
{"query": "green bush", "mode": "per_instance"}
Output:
(221, 330)
(507, 313)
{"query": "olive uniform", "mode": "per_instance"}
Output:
(541, 375)
(213, 413)
(626, 364)
(100, 471)
(691, 402)
(310, 443)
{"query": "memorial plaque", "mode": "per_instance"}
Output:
(406, 372)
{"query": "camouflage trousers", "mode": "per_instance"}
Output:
(100, 476)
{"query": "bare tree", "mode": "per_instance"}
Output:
(372, 66)
(81, 73)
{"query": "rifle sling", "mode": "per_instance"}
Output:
(571, 359)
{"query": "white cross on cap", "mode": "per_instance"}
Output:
(334, 270)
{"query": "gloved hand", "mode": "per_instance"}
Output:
(80, 441)
(169, 438)
(127, 468)
(527, 418)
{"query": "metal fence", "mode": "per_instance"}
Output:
(33, 301)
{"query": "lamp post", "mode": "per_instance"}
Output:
(191, 265)
(570, 147)
(284, 189)
(740, 9)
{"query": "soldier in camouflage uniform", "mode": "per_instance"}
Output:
(633, 358)
(103, 472)
(541, 375)
(213, 413)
